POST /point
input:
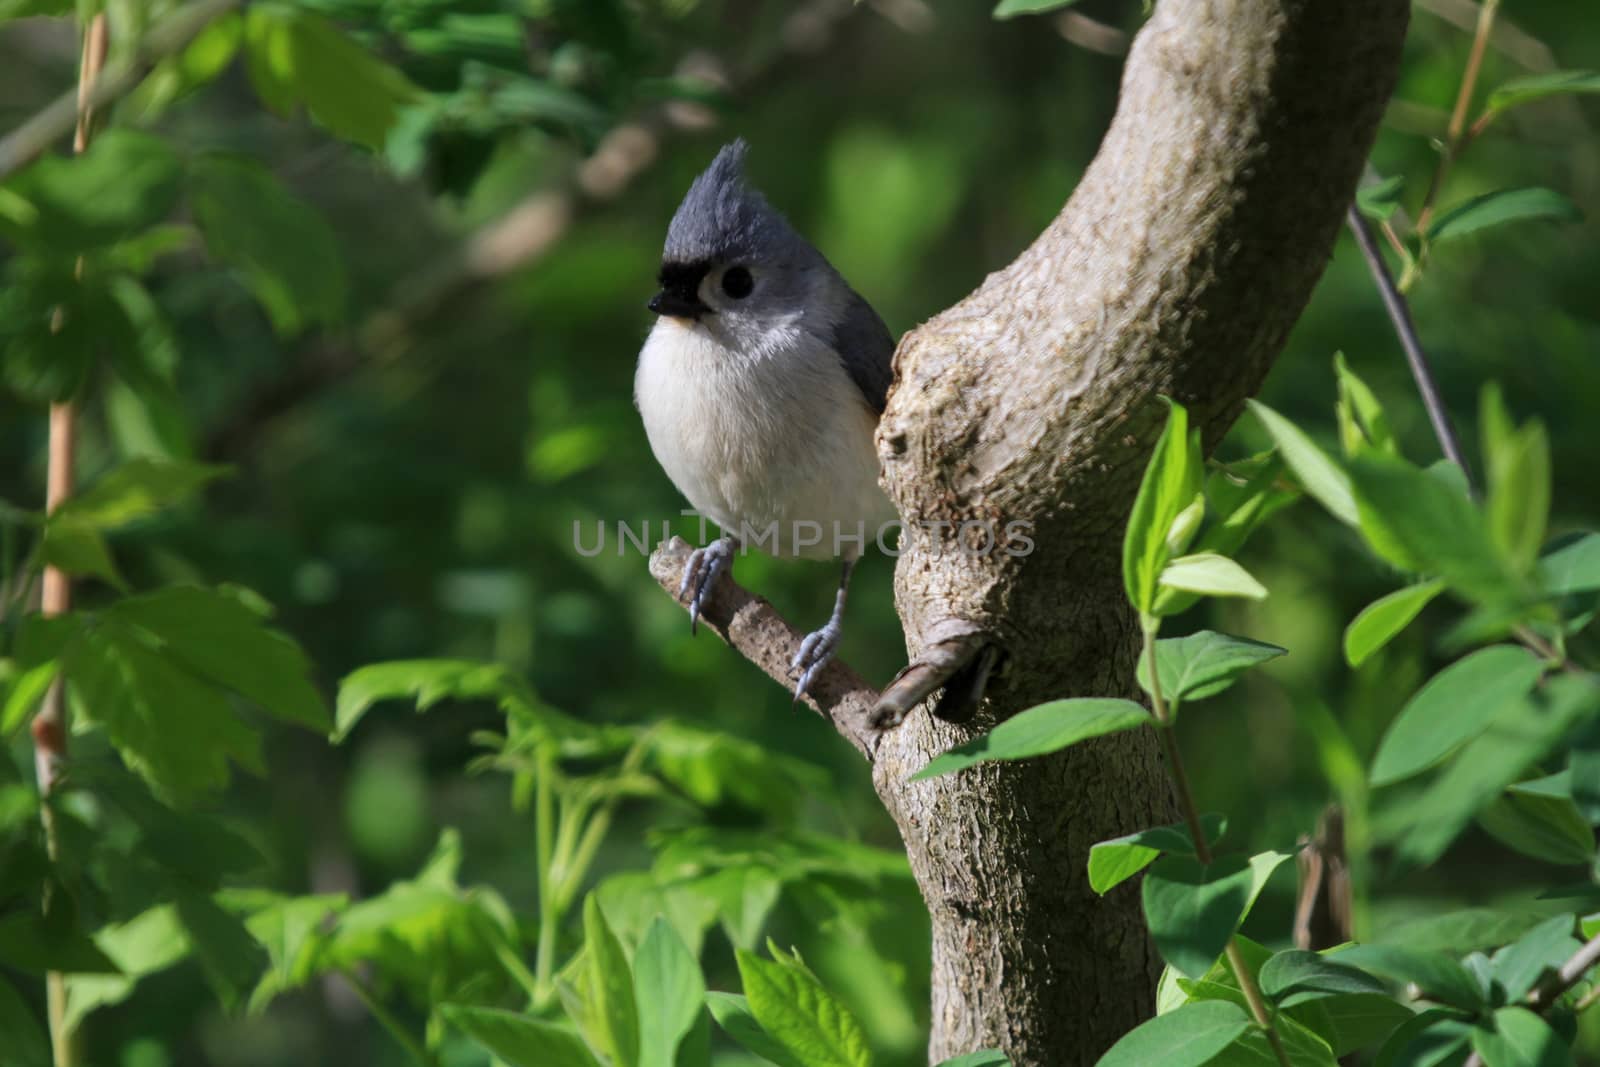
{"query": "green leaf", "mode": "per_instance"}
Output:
(1548, 828)
(55, 328)
(218, 638)
(1517, 506)
(794, 1008)
(230, 958)
(32, 942)
(734, 1016)
(1500, 207)
(1211, 575)
(1115, 861)
(1419, 523)
(517, 1039)
(1521, 735)
(426, 681)
(1193, 909)
(292, 930)
(1461, 931)
(610, 988)
(1380, 200)
(79, 550)
(1298, 971)
(150, 942)
(1203, 664)
(669, 991)
(125, 181)
(1302, 1046)
(173, 728)
(26, 1042)
(136, 489)
(1584, 772)
(26, 693)
(296, 57)
(1397, 1049)
(1519, 1038)
(284, 251)
(1319, 475)
(989, 1057)
(1520, 91)
(1007, 9)
(1455, 706)
(1187, 1037)
(1440, 977)
(1522, 964)
(1362, 423)
(1383, 619)
(1171, 480)
(1041, 729)
(1348, 1022)
(1572, 568)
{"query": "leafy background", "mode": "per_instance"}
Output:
(417, 497)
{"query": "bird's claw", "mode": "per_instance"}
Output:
(814, 653)
(700, 574)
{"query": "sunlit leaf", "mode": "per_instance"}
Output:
(136, 489)
(1115, 861)
(1362, 422)
(1319, 475)
(124, 182)
(1045, 728)
(609, 988)
(1171, 481)
(1548, 828)
(1298, 971)
(1211, 575)
(734, 1016)
(1521, 965)
(802, 1016)
(1187, 1037)
(1572, 568)
(24, 696)
(1383, 619)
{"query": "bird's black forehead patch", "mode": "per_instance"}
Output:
(683, 277)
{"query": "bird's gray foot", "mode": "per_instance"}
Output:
(815, 652)
(705, 566)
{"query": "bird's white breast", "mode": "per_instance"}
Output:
(781, 437)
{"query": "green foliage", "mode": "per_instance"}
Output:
(1191, 1035)
(1203, 664)
(1500, 207)
(1040, 730)
(799, 1014)
(1007, 9)
(1115, 861)
(1193, 909)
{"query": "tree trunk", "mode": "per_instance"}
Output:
(1177, 268)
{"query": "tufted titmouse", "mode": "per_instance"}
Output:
(760, 386)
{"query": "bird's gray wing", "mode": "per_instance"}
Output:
(866, 348)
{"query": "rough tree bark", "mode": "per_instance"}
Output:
(1177, 268)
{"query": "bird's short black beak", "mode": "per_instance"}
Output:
(677, 305)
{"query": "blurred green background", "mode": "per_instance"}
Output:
(424, 505)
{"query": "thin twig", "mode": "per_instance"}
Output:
(49, 728)
(1405, 329)
(1455, 132)
(1570, 974)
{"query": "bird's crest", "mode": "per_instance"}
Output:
(721, 218)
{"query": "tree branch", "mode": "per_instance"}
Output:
(753, 628)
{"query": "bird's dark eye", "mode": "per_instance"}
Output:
(737, 283)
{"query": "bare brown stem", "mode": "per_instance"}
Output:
(1455, 133)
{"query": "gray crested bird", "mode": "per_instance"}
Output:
(760, 386)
